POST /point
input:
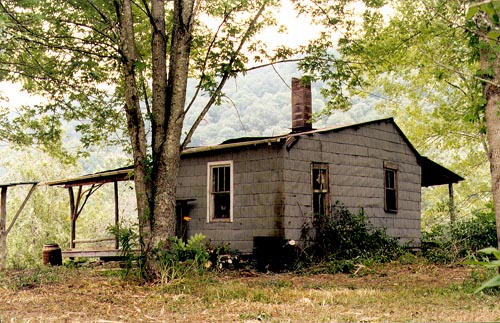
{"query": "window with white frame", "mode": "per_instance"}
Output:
(390, 187)
(220, 191)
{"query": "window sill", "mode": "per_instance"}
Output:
(220, 221)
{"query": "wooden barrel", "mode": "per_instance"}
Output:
(51, 254)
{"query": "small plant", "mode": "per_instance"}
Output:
(181, 259)
(127, 240)
(495, 263)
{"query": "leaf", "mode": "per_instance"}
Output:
(472, 12)
(141, 66)
(491, 251)
(493, 282)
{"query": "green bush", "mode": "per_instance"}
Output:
(344, 235)
(128, 242)
(447, 243)
(182, 259)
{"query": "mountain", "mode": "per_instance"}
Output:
(259, 104)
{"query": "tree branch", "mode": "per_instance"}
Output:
(224, 78)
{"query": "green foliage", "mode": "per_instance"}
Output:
(45, 216)
(182, 259)
(494, 282)
(452, 242)
(421, 62)
(128, 242)
(343, 238)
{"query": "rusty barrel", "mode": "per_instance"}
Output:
(51, 254)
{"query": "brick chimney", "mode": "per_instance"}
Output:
(301, 106)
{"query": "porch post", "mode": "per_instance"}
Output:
(117, 213)
(3, 228)
(72, 217)
(452, 203)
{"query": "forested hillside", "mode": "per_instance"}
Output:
(259, 104)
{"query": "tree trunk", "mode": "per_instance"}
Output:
(135, 123)
(492, 94)
(169, 148)
(156, 182)
(490, 61)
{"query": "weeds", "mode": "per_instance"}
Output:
(343, 240)
(493, 263)
(183, 259)
(127, 240)
(453, 242)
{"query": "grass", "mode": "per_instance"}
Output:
(391, 292)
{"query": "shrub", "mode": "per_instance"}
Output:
(447, 243)
(182, 259)
(344, 235)
(128, 241)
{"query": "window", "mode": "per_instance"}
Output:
(220, 192)
(391, 187)
(320, 188)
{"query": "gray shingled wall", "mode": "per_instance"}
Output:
(272, 184)
(356, 165)
(258, 194)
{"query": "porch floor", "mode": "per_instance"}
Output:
(94, 253)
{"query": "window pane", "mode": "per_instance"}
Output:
(222, 205)
(215, 171)
(227, 179)
(389, 179)
(320, 204)
(390, 196)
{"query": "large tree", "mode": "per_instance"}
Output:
(121, 67)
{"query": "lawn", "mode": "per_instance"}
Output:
(392, 292)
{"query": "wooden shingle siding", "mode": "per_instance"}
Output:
(272, 185)
(257, 199)
(356, 165)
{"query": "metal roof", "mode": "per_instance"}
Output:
(432, 172)
(119, 174)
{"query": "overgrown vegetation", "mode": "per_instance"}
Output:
(341, 240)
(179, 259)
(453, 242)
(494, 263)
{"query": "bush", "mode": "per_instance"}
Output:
(447, 243)
(344, 235)
(182, 259)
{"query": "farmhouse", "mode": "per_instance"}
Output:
(251, 188)
(255, 192)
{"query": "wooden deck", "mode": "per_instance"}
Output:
(96, 253)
